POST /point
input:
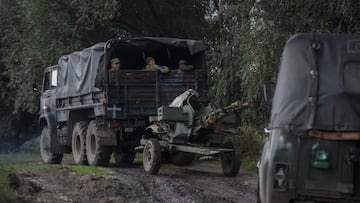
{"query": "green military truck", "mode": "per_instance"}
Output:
(312, 153)
(92, 113)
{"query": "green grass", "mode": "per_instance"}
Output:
(249, 164)
(4, 158)
(138, 158)
(78, 169)
(25, 167)
(6, 193)
(9, 195)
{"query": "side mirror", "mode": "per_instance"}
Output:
(269, 89)
(35, 89)
(267, 131)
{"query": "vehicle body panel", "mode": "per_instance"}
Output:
(316, 91)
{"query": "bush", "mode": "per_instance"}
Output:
(252, 141)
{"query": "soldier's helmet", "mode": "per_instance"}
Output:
(182, 61)
(115, 60)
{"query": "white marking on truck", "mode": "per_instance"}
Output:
(114, 109)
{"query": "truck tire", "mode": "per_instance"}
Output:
(47, 156)
(181, 158)
(152, 156)
(78, 143)
(97, 155)
(258, 192)
(231, 161)
(123, 156)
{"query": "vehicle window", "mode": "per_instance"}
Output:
(54, 79)
(46, 81)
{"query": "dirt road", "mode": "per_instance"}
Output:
(201, 182)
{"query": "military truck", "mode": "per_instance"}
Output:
(91, 112)
(312, 152)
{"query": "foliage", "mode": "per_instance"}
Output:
(252, 140)
(249, 163)
(252, 36)
(244, 40)
(34, 34)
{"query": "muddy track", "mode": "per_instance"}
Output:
(201, 182)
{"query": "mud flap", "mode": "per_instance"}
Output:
(107, 136)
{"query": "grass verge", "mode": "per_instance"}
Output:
(249, 164)
(6, 193)
(11, 157)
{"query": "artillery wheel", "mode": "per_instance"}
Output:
(181, 158)
(97, 155)
(123, 156)
(152, 156)
(47, 156)
(78, 143)
(231, 161)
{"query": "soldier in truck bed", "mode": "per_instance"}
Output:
(115, 64)
(183, 66)
(152, 66)
(114, 68)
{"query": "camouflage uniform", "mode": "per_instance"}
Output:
(154, 67)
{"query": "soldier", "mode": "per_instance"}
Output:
(115, 64)
(113, 71)
(152, 66)
(183, 66)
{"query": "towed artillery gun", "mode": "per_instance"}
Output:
(189, 126)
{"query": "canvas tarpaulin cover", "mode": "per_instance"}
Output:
(318, 84)
(78, 70)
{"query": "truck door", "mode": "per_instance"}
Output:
(48, 97)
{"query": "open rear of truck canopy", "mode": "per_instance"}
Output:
(83, 72)
(318, 84)
(166, 51)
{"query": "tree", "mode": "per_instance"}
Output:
(251, 39)
(34, 34)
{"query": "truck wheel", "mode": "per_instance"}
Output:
(181, 158)
(78, 143)
(152, 156)
(231, 161)
(258, 193)
(47, 156)
(123, 156)
(97, 155)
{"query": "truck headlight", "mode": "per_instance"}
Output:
(281, 176)
(320, 158)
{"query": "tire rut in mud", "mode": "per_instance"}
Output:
(132, 184)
